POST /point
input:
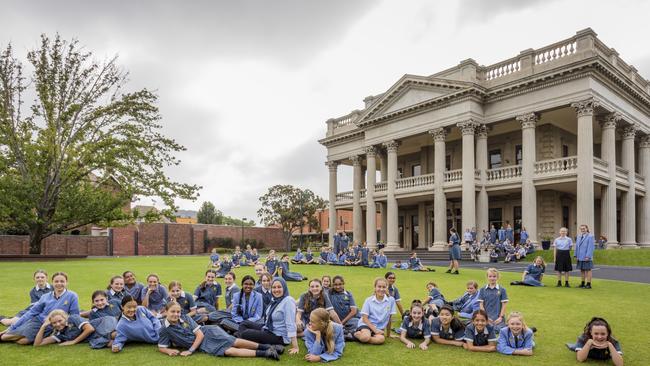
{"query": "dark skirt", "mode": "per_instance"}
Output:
(454, 252)
(585, 265)
(563, 261)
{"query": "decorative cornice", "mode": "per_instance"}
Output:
(371, 151)
(391, 146)
(468, 127)
(439, 134)
(611, 120)
(644, 142)
(528, 120)
(628, 132)
(332, 165)
(585, 107)
(340, 138)
(356, 160)
(483, 131)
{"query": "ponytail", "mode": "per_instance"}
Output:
(326, 328)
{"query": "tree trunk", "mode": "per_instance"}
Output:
(35, 239)
(287, 240)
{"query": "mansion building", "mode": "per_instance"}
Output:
(554, 137)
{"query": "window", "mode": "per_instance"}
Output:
(400, 173)
(448, 162)
(519, 156)
(495, 217)
(416, 170)
(565, 216)
(516, 215)
(495, 159)
(565, 151)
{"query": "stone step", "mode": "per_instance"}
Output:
(424, 255)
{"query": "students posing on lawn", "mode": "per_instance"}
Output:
(344, 306)
(533, 274)
(137, 324)
(323, 337)
(374, 325)
(447, 328)
(154, 296)
(585, 255)
(132, 286)
(73, 329)
(313, 299)
(208, 293)
(562, 257)
(479, 334)
(493, 299)
(415, 326)
(468, 303)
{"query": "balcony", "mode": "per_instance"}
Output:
(506, 173)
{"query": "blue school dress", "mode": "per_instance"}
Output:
(466, 305)
(226, 266)
(135, 291)
(144, 327)
(510, 234)
(436, 298)
(236, 259)
(157, 298)
(449, 334)
(186, 301)
(480, 338)
(309, 256)
(493, 235)
(288, 275)
(585, 246)
(298, 257)
(302, 306)
(380, 261)
(415, 264)
(111, 309)
(454, 250)
(182, 335)
(230, 292)
(320, 348)
(502, 235)
(413, 331)
(35, 294)
(115, 297)
(97, 339)
(249, 307)
(272, 266)
(507, 342)
(533, 275)
(365, 252)
(600, 354)
(206, 297)
(332, 258)
(343, 302)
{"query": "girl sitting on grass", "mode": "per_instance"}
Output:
(137, 324)
(533, 274)
(447, 329)
(314, 298)
(323, 337)
(374, 325)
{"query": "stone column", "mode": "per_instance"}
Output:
(357, 212)
(392, 239)
(439, 198)
(585, 185)
(528, 190)
(628, 200)
(482, 206)
(371, 209)
(332, 165)
(608, 192)
(422, 226)
(467, 128)
(644, 170)
(382, 206)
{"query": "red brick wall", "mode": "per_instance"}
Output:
(272, 237)
(124, 240)
(179, 238)
(151, 239)
(57, 245)
(14, 244)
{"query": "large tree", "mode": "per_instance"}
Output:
(290, 208)
(208, 214)
(84, 149)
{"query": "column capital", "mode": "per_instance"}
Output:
(483, 131)
(585, 107)
(332, 165)
(439, 134)
(644, 142)
(628, 132)
(528, 120)
(371, 151)
(611, 120)
(468, 127)
(391, 146)
(356, 160)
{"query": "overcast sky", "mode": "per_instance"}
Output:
(247, 86)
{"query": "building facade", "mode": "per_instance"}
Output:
(554, 137)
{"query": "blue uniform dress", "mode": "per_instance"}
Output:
(206, 297)
(29, 324)
(601, 354)
(343, 302)
(98, 339)
(214, 258)
(422, 330)
(267, 297)
(247, 307)
(230, 292)
(454, 250)
(365, 252)
(523, 236)
(309, 256)
(381, 261)
(144, 327)
(186, 301)
(236, 259)
(477, 338)
(493, 235)
(302, 306)
(436, 298)
(332, 258)
(135, 291)
(450, 334)
(111, 309)
(492, 299)
(533, 275)
(115, 297)
(224, 268)
(466, 305)
(272, 266)
(298, 257)
(502, 235)
(35, 294)
(337, 244)
(415, 264)
(157, 299)
(394, 293)
(507, 342)
(510, 234)
(320, 348)
(183, 334)
(345, 242)
(585, 246)
(378, 312)
(288, 275)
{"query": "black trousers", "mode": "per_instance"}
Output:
(253, 332)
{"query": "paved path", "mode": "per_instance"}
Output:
(619, 273)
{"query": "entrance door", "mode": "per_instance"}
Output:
(516, 215)
(401, 231)
(415, 233)
(495, 216)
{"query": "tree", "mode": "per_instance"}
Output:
(85, 149)
(208, 214)
(290, 208)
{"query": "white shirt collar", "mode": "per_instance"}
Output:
(496, 286)
(375, 299)
(47, 285)
(167, 323)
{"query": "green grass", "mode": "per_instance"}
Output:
(559, 314)
(619, 257)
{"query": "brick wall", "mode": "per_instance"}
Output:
(151, 239)
(179, 239)
(56, 245)
(14, 244)
(124, 240)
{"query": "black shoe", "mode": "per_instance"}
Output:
(588, 286)
(514, 283)
(533, 329)
(455, 272)
(566, 284)
(448, 271)
(349, 337)
(559, 284)
(278, 348)
(271, 354)
(582, 285)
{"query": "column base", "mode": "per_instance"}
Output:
(629, 245)
(393, 247)
(440, 246)
(371, 245)
(644, 245)
(612, 245)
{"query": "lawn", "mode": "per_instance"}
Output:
(558, 313)
(618, 257)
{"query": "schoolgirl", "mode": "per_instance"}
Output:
(208, 293)
(584, 254)
(314, 298)
(353, 259)
(115, 291)
(323, 338)
(365, 254)
(562, 257)
(326, 281)
(467, 304)
(510, 234)
(374, 324)
(225, 266)
(247, 255)
(447, 329)
(399, 265)
(493, 299)
(41, 287)
(132, 286)
(137, 324)
(454, 251)
(393, 291)
(516, 338)
(597, 343)
(272, 263)
(479, 334)
(298, 258)
(344, 306)
(179, 330)
(523, 236)
(154, 296)
(323, 255)
(415, 326)
(237, 257)
(533, 274)
(309, 257)
(231, 288)
(434, 300)
(24, 330)
(415, 264)
(185, 300)
(380, 260)
(284, 272)
(214, 259)
(255, 258)
(259, 269)
(73, 329)
(332, 258)
(342, 258)
(247, 304)
(102, 307)
(279, 326)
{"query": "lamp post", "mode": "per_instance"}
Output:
(243, 220)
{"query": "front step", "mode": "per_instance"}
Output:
(425, 255)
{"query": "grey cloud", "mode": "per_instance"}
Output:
(483, 10)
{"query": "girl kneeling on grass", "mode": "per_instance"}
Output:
(479, 334)
(516, 338)
(447, 329)
(137, 324)
(181, 331)
(415, 326)
(597, 343)
(73, 329)
(374, 325)
(323, 337)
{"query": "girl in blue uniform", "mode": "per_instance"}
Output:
(208, 293)
(309, 257)
(24, 330)
(255, 258)
(154, 296)
(115, 290)
(272, 263)
(326, 281)
(365, 254)
(237, 257)
(279, 326)
(447, 329)
(394, 292)
(597, 343)
(73, 329)
(323, 338)
(479, 334)
(231, 288)
(562, 257)
(225, 266)
(374, 325)
(214, 259)
(41, 287)
(353, 259)
(516, 338)
(185, 300)
(285, 273)
(314, 298)
(434, 300)
(265, 290)
(415, 264)
(415, 326)
(344, 306)
(454, 251)
(533, 274)
(467, 304)
(298, 258)
(332, 258)
(493, 299)
(247, 304)
(137, 324)
(584, 254)
(102, 307)
(132, 286)
(380, 260)
(179, 330)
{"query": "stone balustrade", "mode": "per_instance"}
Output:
(502, 68)
(344, 196)
(453, 175)
(363, 193)
(503, 173)
(381, 187)
(556, 165)
(622, 173)
(556, 51)
(416, 181)
(639, 180)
